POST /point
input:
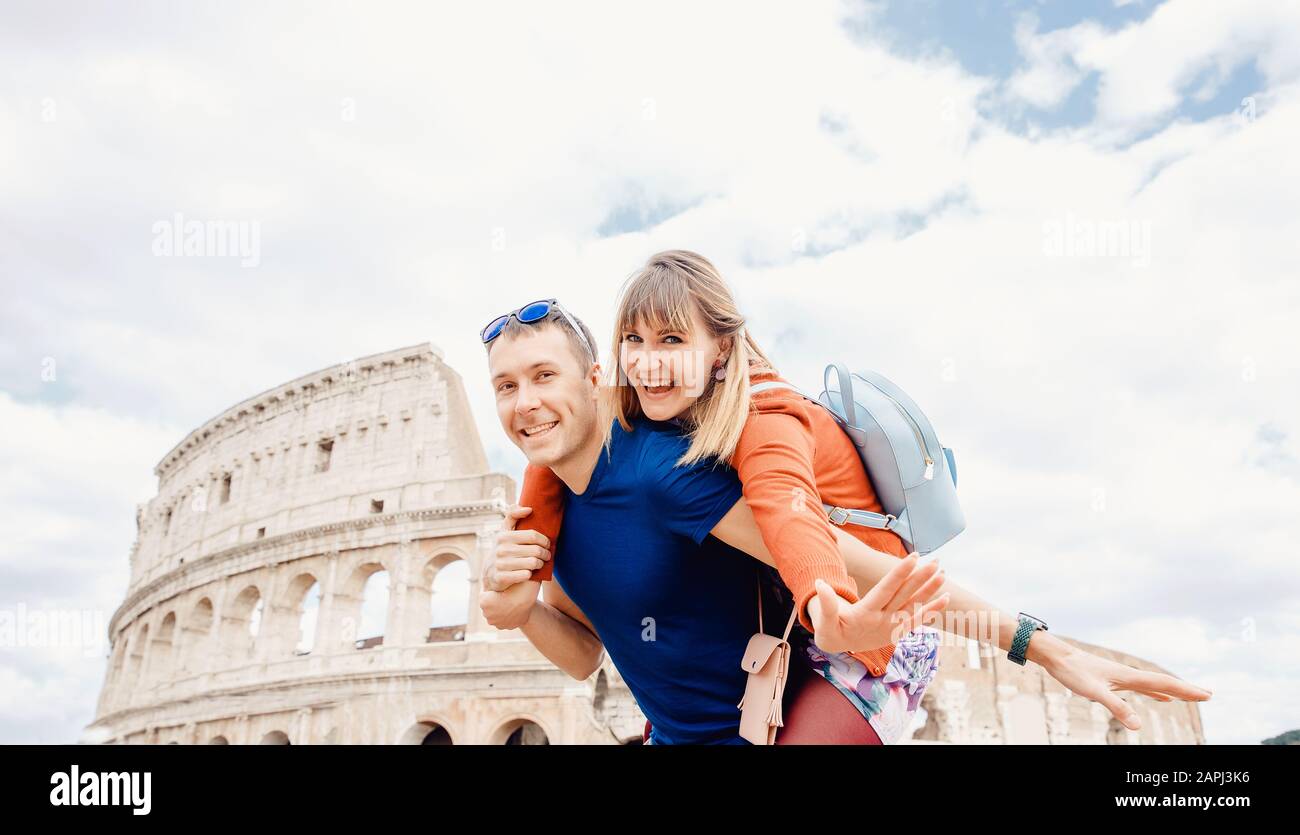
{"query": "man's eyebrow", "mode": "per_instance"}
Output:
(532, 367)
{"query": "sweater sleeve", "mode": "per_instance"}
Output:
(774, 459)
(544, 493)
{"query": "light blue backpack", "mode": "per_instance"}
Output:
(914, 476)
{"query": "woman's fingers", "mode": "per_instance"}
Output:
(919, 577)
(1147, 681)
(925, 593)
(881, 593)
(827, 623)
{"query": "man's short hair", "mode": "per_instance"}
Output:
(514, 328)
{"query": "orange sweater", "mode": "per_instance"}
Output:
(791, 457)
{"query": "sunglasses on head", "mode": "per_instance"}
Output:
(534, 312)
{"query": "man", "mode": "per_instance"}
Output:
(648, 565)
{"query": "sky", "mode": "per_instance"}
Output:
(1069, 231)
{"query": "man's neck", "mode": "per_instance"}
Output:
(576, 469)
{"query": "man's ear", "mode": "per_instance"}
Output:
(593, 377)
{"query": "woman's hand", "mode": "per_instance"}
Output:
(895, 606)
(1097, 678)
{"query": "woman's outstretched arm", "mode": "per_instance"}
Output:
(1080, 671)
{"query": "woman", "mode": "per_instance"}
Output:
(684, 355)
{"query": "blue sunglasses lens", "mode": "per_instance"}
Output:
(534, 312)
(493, 330)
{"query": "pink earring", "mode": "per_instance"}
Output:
(719, 370)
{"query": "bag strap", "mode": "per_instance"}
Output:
(865, 518)
(838, 515)
(845, 389)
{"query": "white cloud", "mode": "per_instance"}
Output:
(1146, 69)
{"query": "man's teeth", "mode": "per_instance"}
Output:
(536, 430)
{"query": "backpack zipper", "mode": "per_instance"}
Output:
(916, 430)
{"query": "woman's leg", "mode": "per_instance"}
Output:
(815, 713)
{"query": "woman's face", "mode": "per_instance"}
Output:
(669, 369)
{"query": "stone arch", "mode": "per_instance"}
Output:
(196, 637)
(427, 732)
(241, 624)
(1024, 720)
(163, 650)
(521, 730)
(275, 738)
(296, 617)
(136, 660)
(600, 698)
(362, 606)
(443, 594)
(218, 740)
(118, 662)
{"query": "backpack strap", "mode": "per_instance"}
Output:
(845, 390)
(865, 518)
(837, 515)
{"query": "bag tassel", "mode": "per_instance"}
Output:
(774, 716)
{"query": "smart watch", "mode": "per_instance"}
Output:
(1026, 626)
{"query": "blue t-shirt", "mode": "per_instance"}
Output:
(674, 606)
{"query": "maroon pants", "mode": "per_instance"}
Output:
(816, 713)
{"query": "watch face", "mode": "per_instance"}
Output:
(1038, 624)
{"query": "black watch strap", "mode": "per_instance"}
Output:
(1026, 626)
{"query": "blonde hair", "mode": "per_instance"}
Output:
(661, 294)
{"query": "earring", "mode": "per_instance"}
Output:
(719, 370)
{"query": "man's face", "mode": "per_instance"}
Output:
(546, 400)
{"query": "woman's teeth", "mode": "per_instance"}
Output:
(659, 389)
(533, 431)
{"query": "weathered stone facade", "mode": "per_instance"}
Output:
(305, 492)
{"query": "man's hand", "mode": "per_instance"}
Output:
(509, 609)
(895, 606)
(1097, 678)
(518, 554)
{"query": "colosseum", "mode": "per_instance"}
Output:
(308, 573)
